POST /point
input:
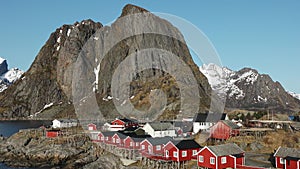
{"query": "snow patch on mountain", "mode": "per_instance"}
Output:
(297, 96)
(224, 81)
(9, 76)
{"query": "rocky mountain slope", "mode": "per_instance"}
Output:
(297, 96)
(247, 89)
(8, 77)
(46, 88)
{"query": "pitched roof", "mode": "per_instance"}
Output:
(287, 152)
(140, 138)
(161, 126)
(209, 117)
(226, 149)
(230, 124)
(108, 133)
(127, 120)
(185, 144)
(159, 140)
(185, 126)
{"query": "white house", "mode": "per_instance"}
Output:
(204, 121)
(160, 129)
(64, 123)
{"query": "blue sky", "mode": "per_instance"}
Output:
(264, 35)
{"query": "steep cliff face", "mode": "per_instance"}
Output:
(44, 83)
(46, 88)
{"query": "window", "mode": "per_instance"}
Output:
(281, 161)
(223, 160)
(102, 138)
(158, 147)
(137, 144)
(175, 154)
(201, 159)
(143, 147)
(131, 144)
(184, 154)
(212, 160)
(118, 140)
(114, 140)
(194, 152)
(106, 138)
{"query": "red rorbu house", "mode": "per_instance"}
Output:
(118, 139)
(153, 147)
(287, 158)
(224, 129)
(221, 156)
(181, 150)
(106, 137)
(125, 122)
(133, 142)
(92, 127)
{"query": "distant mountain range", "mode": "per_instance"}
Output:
(8, 77)
(248, 89)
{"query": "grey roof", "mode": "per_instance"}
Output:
(231, 124)
(209, 117)
(108, 133)
(186, 144)
(159, 140)
(185, 126)
(161, 126)
(287, 152)
(226, 149)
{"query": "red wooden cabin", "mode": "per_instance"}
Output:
(118, 139)
(287, 158)
(154, 146)
(221, 156)
(52, 133)
(92, 127)
(125, 122)
(133, 142)
(107, 135)
(181, 150)
(224, 129)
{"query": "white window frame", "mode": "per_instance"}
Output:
(175, 154)
(137, 144)
(195, 152)
(143, 147)
(184, 154)
(223, 160)
(281, 160)
(114, 140)
(158, 147)
(118, 141)
(106, 138)
(212, 160)
(131, 144)
(201, 159)
(102, 138)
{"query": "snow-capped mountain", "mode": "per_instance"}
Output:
(8, 77)
(297, 96)
(247, 89)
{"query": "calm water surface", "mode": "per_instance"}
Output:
(8, 128)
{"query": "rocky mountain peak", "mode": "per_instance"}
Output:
(3, 66)
(248, 89)
(50, 77)
(132, 9)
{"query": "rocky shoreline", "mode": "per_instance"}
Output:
(30, 148)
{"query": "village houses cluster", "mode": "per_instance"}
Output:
(173, 141)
